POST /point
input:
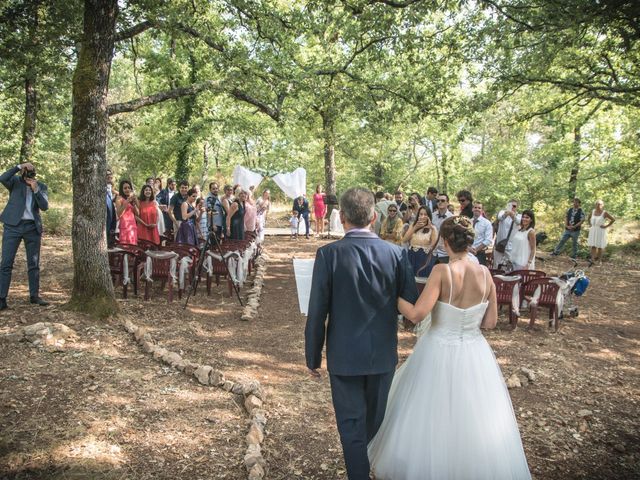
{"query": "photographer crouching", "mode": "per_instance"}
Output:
(21, 218)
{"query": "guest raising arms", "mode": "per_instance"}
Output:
(127, 211)
(422, 236)
(147, 217)
(189, 214)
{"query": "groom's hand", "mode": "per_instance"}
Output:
(314, 372)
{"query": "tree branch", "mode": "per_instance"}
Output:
(138, 103)
(133, 31)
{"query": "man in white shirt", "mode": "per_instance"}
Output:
(484, 234)
(441, 214)
(506, 218)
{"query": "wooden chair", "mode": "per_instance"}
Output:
(547, 298)
(184, 250)
(117, 268)
(147, 244)
(527, 290)
(137, 266)
(504, 296)
(161, 270)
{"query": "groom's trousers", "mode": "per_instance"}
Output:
(359, 402)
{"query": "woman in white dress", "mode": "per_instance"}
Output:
(263, 205)
(449, 415)
(523, 243)
(597, 239)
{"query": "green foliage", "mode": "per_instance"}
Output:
(57, 221)
(443, 94)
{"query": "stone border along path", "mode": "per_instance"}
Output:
(253, 300)
(251, 390)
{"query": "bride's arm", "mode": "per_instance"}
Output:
(428, 298)
(491, 315)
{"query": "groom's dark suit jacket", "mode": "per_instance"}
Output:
(356, 282)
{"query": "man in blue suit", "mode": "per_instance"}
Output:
(356, 283)
(21, 218)
(112, 219)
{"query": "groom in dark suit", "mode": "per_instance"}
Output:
(356, 283)
(21, 218)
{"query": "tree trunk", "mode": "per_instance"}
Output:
(575, 167)
(205, 166)
(183, 167)
(92, 287)
(328, 134)
(445, 172)
(31, 100)
(29, 125)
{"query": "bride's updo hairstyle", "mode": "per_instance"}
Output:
(458, 232)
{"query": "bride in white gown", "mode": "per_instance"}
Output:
(449, 415)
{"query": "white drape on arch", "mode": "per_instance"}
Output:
(293, 184)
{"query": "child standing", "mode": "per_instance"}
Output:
(293, 221)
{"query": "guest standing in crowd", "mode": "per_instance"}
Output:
(147, 218)
(484, 234)
(112, 218)
(421, 236)
(202, 225)
(157, 186)
(263, 204)
(597, 240)
(127, 211)
(250, 213)
(301, 205)
(175, 206)
(381, 209)
(411, 213)
(466, 203)
(573, 221)
(523, 251)
(442, 213)
(21, 219)
(235, 218)
(391, 228)
(319, 209)
(431, 199)
(402, 207)
(215, 211)
(506, 218)
(189, 216)
(164, 200)
(226, 201)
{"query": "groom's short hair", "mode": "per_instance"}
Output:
(357, 206)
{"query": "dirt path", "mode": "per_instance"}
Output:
(101, 408)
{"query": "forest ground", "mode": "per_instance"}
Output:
(101, 408)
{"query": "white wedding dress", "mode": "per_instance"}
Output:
(449, 415)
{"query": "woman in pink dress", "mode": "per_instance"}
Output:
(319, 209)
(148, 216)
(127, 211)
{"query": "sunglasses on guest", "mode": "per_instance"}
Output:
(442, 200)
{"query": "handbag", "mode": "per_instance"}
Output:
(501, 246)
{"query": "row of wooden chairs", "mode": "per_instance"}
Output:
(161, 268)
(528, 281)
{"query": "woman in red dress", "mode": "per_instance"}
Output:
(127, 211)
(319, 209)
(148, 216)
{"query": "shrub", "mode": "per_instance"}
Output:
(57, 221)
